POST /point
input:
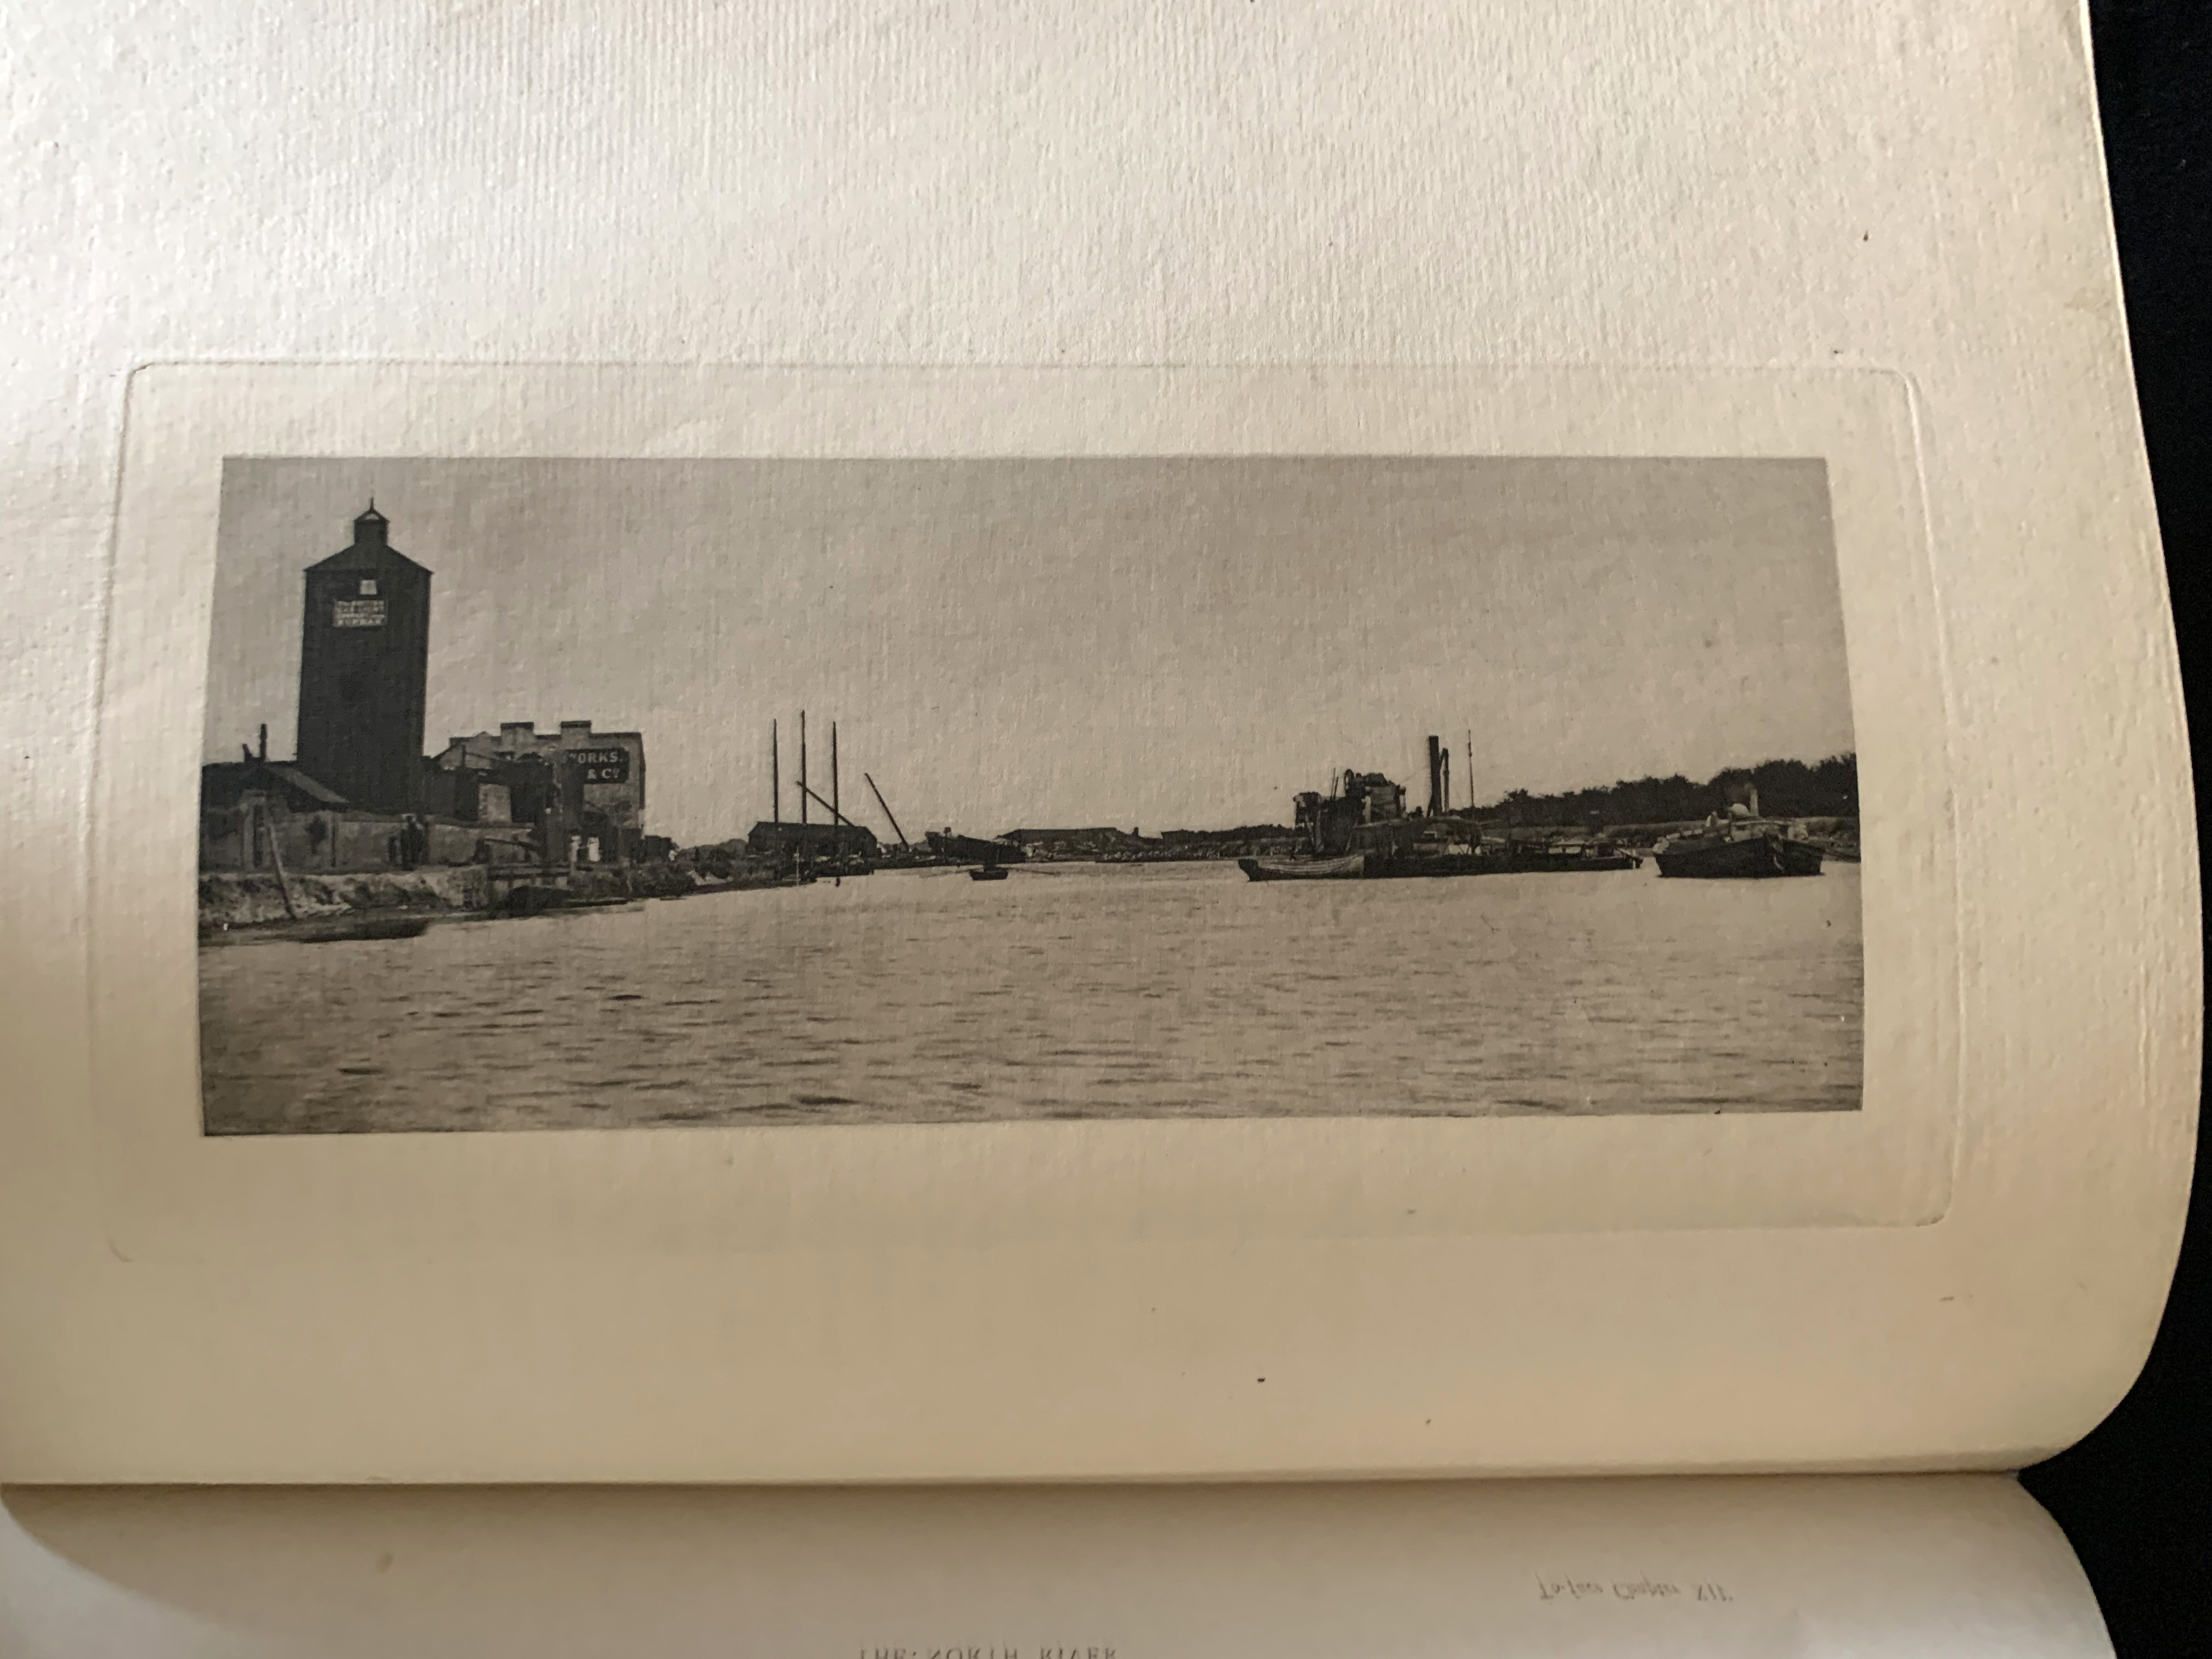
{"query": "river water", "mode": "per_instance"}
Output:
(1064, 990)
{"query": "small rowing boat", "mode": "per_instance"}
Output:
(1352, 867)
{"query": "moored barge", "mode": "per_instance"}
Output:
(1738, 855)
(1739, 846)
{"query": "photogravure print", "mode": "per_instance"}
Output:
(615, 793)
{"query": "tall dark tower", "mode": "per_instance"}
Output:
(364, 668)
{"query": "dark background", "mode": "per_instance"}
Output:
(2136, 1497)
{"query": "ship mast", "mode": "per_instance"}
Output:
(885, 804)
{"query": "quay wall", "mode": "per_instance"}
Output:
(241, 898)
(629, 881)
(335, 843)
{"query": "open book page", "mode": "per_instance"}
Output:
(1718, 1569)
(1560, 895)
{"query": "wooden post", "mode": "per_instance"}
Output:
(276, 857)
(800, 863)
(837, 825)
(774, 779)
(558, 852)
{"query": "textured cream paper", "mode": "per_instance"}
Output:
(1760, 1569)
(1911, 190)
(960, 1187)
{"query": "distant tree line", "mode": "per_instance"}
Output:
(1787, 789)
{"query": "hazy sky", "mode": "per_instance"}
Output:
(1154, 643)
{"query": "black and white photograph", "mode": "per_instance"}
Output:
(621, 794)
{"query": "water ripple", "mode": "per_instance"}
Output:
(1107, 991)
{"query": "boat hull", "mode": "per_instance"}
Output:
(1351, 867)
(1544, 863)
(1367, 866)
(333, 930)
(1747, 858)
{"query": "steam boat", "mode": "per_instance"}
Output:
(1361, 831)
